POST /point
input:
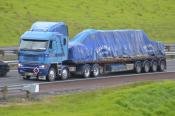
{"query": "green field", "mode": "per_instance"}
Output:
(144, 99)
(155, 17)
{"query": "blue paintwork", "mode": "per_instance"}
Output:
(59, 52)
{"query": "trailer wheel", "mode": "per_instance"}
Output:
(154, 66)
(162, 65)
(95, 70)
(146, 66)
(51, 75)
(86, 71)
(101, 70)
(138, 67)
(64, 74)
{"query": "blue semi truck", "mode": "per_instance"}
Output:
(46, 53)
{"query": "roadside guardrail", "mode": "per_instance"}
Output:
(12, 62)
(8, 50)
(170, 53)
(28, 88)
(169, 48)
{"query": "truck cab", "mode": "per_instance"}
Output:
(42, 50)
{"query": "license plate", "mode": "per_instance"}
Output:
(29, 74)
(72, 69)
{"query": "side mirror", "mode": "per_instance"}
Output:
(50, 45)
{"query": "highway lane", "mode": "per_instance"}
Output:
(14, 79)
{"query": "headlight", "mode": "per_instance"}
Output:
(43, 66)
(20, 65)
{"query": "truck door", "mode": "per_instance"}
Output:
(62, 43)
(65, 47)
(58, 51)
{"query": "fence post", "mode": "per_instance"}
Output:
(2, 53)
(28, 94)
(4, 92)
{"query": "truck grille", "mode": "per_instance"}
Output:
(31, 58)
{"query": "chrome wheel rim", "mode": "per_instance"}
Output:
(147, 67)
(87, 72)
(96, 71)
(64, 74)
(154, 67)
(138, 69)
(162, 66)
(51, 75)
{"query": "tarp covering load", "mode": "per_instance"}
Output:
(42, 26)
(95, 45)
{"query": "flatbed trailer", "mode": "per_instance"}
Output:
(138, 64)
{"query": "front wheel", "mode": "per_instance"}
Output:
(51, 75)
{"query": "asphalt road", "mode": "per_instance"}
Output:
(14, 79)
(72, 86)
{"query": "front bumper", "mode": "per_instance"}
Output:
(33, 72)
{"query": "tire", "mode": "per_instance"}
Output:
(3, 74)
(162, 65)
(101, 70)
(138, 67)
(154, 66)
(26, 77)
(64, 74)
(146, 66)
(51, 75)
(86, 71)
(95, 70)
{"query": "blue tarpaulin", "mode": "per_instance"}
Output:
(94, 45)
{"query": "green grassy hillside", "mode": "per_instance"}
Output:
(153, 99)
(156, 17)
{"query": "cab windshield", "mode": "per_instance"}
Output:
(33, 45)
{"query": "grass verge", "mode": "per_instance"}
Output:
(155, 17)
(143, 99)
